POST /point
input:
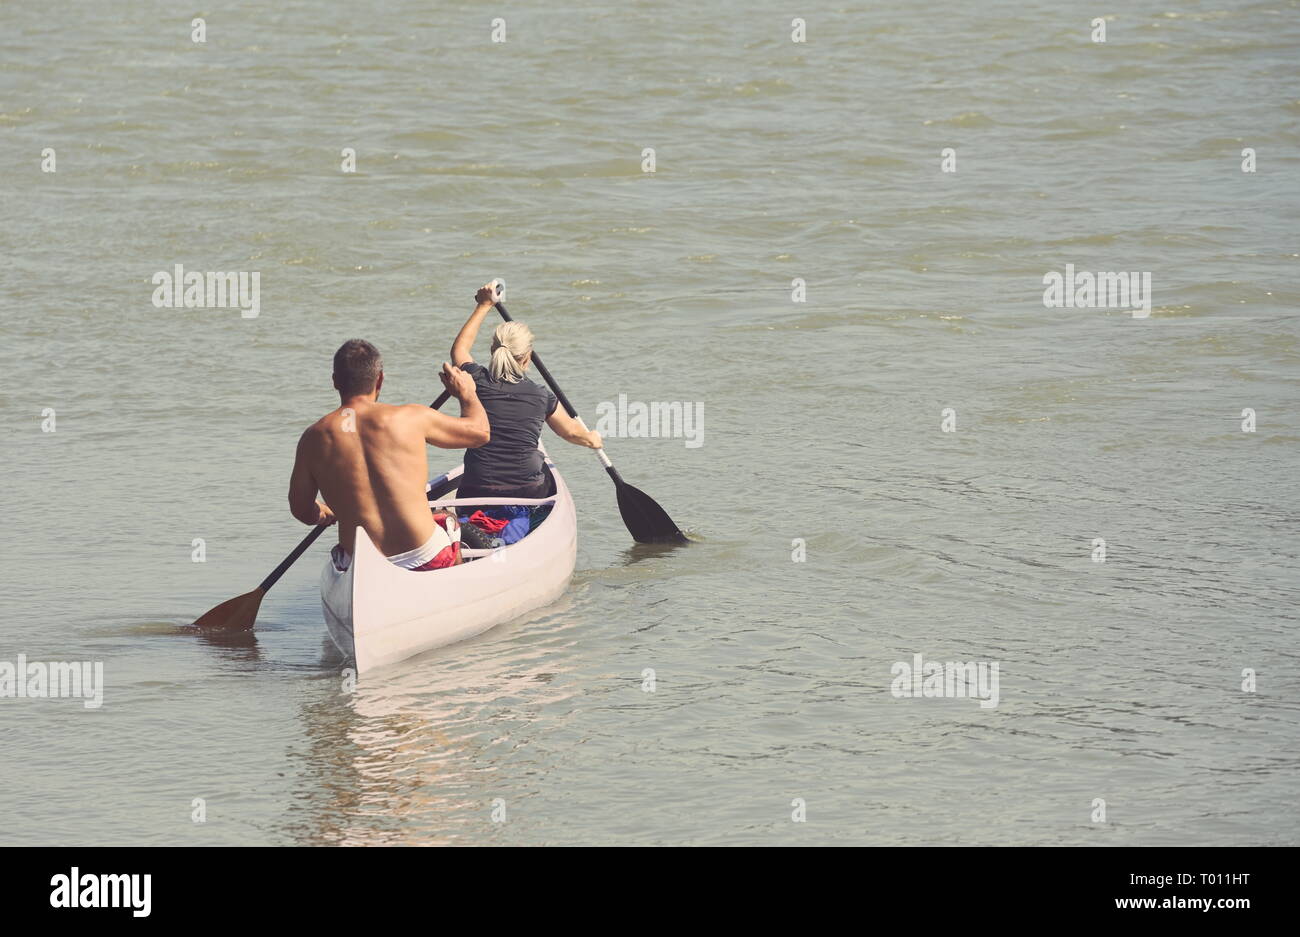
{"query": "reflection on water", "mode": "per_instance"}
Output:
(640, 552)
(407, 754)
(240, 645)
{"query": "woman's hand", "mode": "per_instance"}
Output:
(487, 295)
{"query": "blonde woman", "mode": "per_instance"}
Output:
(510, 465)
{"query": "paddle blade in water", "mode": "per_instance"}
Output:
(646, 521)
(237, 614)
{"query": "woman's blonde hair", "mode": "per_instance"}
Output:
(511, 343)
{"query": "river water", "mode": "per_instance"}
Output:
(839, 530)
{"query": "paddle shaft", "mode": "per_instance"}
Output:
(292, 558)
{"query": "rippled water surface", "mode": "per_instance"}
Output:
(775, 160)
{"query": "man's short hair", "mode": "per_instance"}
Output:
(357, 365)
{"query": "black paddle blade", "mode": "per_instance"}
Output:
(645, 520)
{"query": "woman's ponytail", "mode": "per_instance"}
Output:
(511, 342)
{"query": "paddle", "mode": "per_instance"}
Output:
(645, 520)
(239, 613)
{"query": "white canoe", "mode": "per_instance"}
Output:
(378, 613)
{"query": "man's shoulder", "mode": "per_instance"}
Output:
(317, 428)
(402, 417)
(390, 414)
(375, 415)
(409, 409)
(309, 440)
(343, 419)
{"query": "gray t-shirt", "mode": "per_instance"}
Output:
(516, 413)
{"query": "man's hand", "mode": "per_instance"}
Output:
(326, 515)
(458, 383)
(468, 431)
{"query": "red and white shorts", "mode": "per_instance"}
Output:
(441, 550)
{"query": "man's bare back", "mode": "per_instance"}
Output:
(368, 460)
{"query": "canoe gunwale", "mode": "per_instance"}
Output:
(470, 502)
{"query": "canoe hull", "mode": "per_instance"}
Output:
(378, 614)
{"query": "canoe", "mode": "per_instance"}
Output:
(378, 614)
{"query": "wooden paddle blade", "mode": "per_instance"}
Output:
(645, 520)
(237, 614)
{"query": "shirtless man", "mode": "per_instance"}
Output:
(368, 461)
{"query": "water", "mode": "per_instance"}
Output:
(1119, 680)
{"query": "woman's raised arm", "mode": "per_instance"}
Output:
(460, 348)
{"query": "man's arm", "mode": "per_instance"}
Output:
(468, 431)
(302, 490)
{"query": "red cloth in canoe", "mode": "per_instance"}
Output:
(492, 525)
